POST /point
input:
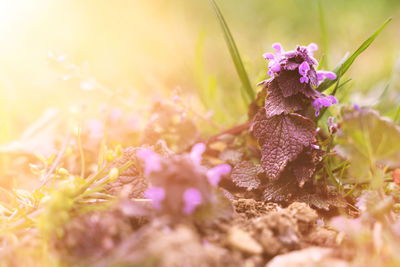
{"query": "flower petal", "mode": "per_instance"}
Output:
(330, 75)
(192, 198)
(312, 47)
(214, 174)
(151, 160)
(321, 102)
(304, 79)
(196, 152)
(275, 66)
(322, 74)
(268, 56)
(156, 194)
(304, 68)
(332, 99)
(278, 47)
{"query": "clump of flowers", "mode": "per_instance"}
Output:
(295, 73)
(282, 128)
(180, 184)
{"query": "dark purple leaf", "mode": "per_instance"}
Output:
(132, 177)
(289, 82)
(311, 93)
(281, 138)
(276, 103)
(286, 190)
(245, 175)
(280, 191)
(303, 167)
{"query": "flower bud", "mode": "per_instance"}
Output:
(113, 174)
(109, 156)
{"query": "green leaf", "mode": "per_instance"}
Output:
(370, 142)
(343, 67)
(397, 114)
(247, 91)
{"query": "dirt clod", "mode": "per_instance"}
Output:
(304, 215)
(280, 230)
(243, 241)
(308, 257)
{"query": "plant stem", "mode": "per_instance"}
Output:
(57, 160)
(235, 130)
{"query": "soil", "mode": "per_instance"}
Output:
(256, 234)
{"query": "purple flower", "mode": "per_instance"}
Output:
(278, 47)
(325, 101)
(311, 48)
(268, 56)
(332, 99)
(303, 70)
(192, 198)
(301, 59)
(322, 74)
(151, 160)
(274, 65)
(197, 150)
(356, 107)
(297, 74)
(156, 194)
(214, 174)
(304, 79)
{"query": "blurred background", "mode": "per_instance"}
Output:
(69, 54)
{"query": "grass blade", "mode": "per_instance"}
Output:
(342, 68)
(397, 115)
(244, 78)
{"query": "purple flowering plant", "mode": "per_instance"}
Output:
(179, 183)
(296, 73)
(283, 125)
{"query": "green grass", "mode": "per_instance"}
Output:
(248, 92)
(342, 68)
